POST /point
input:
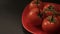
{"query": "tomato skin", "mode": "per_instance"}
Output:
(58, 16)
(34, 5)
(50, 26)
(56, 8)
(48, 12)
(31, 19)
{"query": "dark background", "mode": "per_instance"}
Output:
(10, 15)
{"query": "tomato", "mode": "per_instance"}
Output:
(31, 20)
(50, 24)
(51, 8)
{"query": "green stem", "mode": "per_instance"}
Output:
(51, 8)
(37, 2)
(52, 19)
(40, 14)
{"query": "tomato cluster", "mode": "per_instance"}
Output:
(41, 18)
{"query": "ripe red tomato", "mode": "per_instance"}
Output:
(31, 20)
(51, 24)
(48, 9)
(55, 7)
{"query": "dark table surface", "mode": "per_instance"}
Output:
(10, 16)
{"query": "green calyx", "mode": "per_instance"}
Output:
(51, 9)
(51, 19)
(37, 1)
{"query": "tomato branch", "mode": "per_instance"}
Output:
(38, 6)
